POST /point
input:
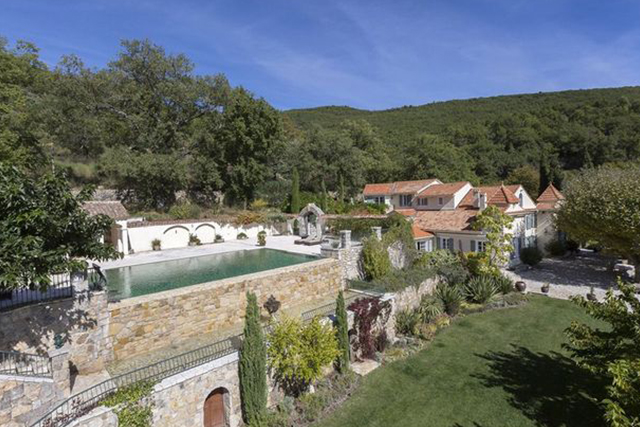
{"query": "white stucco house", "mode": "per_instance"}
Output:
(442, 213)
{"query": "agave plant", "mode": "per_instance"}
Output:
(407, 322)
(503, 284)
(430, 308)
(480, 289)
(451, 298)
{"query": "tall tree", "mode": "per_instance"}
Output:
(44, 230)
(323, 197)
(342, 335)
(253, 364)
(251, 137)
(612, 351)
(495, 223)
(528, 176)
(602, 205)
(295, 192)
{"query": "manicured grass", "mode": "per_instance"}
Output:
(496, 369)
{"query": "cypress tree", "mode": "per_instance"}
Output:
(253, 364)
(295, 191)
(323, 197)
(343, 191)
(342, 334)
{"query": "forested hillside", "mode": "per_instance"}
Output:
(147, 125)
(508, 138)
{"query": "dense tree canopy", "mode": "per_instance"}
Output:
(603, 205)
(44, 230)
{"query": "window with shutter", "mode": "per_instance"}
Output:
(473, 246)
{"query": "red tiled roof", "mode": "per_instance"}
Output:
(419, 233)
(377, 189)
(112, 209)
(550, 194)
(496, 195)
(406, 212)
(443, 189)
(446, 220)
(411, 187)
(549, 198)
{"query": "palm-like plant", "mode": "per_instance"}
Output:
(480, 289)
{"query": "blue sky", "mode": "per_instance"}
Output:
(366, 54)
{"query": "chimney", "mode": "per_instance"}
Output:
(482, 201)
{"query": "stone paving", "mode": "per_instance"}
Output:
(568, 276)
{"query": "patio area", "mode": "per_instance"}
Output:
(569, 275)
(282, 243)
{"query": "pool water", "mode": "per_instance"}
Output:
(127, 282)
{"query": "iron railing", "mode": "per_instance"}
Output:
(83, 402)
(23, 364)
(62, 286)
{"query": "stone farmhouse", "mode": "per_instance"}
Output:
(443, 213)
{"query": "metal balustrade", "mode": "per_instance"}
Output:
(23, 364)
(82, 403)
(62, 286)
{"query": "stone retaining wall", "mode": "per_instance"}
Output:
(99, 417)
(408, 298)
(23, 400)
(349, 259)
(151, 322)
(81, 321)
(179, 400)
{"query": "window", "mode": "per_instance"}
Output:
(423, 201)
(440, 201)
(521, 197)
(446, 243)
(379, 200)
(405, 200)
(478, 246)
(425, 245)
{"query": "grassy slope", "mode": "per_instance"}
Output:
(434, 117)
(497, 369)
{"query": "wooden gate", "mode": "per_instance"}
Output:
(214, 409)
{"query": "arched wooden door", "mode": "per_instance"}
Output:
(214, 409)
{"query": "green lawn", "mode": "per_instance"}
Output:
(496, 369)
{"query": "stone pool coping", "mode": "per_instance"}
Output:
(163, 295)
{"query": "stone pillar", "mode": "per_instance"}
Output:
(377, 231)
(60, 370)
(345, 239)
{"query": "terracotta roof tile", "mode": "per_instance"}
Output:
(411, 187)
(377, 189)
(406, 212)
(548, 200)
(446, 220)
(112, 209)
(550, 194)
(419, 233)
(443, 189)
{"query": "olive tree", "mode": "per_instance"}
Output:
(495, 224)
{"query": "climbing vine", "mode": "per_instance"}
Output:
(131, 404)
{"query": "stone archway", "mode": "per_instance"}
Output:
(216, 408)
(311, 222)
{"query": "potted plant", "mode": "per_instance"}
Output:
(591, 296)
(156, 244)
(241, 236)
(521, 286)
(262, 238)
(193, 240)
(545, 288)
(219, 238)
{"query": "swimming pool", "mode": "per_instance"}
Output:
(127, 282)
